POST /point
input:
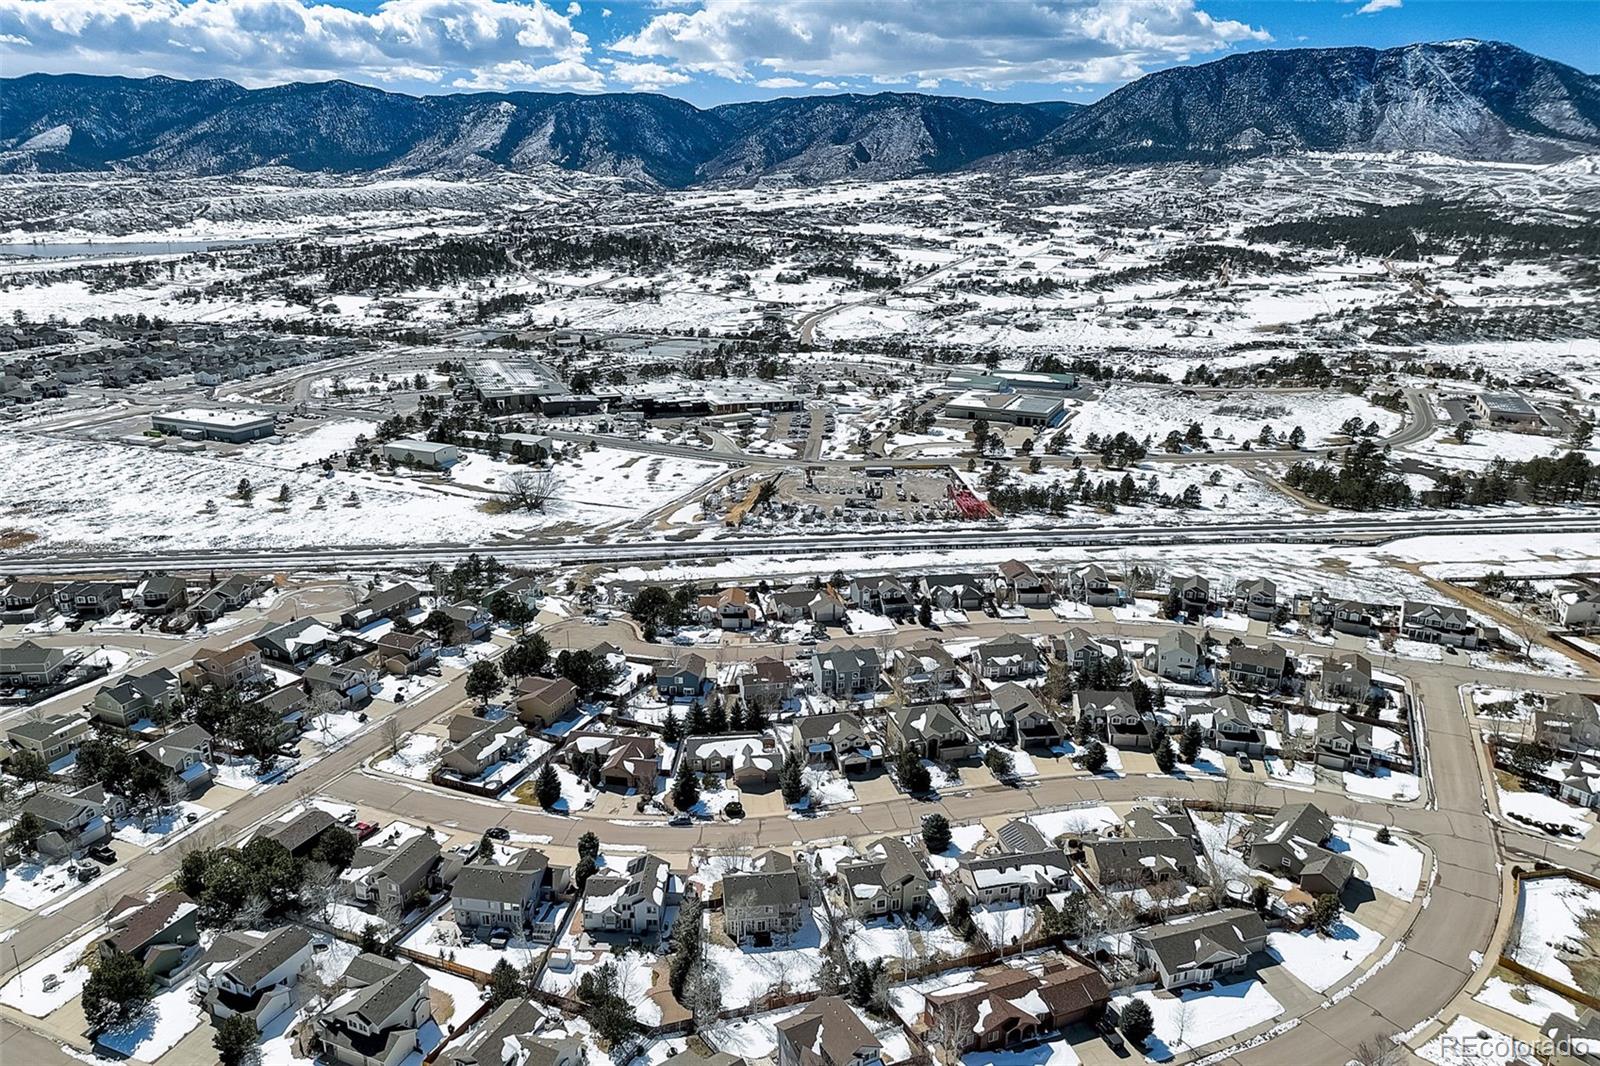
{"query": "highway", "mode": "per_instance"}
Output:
(55, 563)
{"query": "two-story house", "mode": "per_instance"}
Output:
(883, 595)
(160, 594)
(1199, 948)
(541, 702)
(933, 731)
(889, 879)
(1234, 729)
(764, 903)
(1347, 677)
(385, 879)
(1113, 718)
(49, 738)
(30, 665)
(766, 684)
(253, 974)
(1021, 586)
(478, 745)
(488, 897)
(229, 668)
(1438, 623)
(1006, 659)
(378, 1019)
(1092, 585)
(1175, 656)
(405, 654)
(1193, 595)
(1344, 744)
(136, 698)
(1013, 1006)
(827, 1032)
(1257, 669)
(1569, 723)
(846, 672)
(89, 599)
(162, 935)
(630, 899)
(953, 592)
(838, 740)
(1257, 597)
(1014, 715)
(73, 819)
(686, 679)
(731, 609)
(183, 757)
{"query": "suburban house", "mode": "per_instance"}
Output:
(628, 762)
(846, 672)
(252, 973)
(1093, 586)
(1175, 656)
(231, 667)
(744, 758)
(1015, 716)
(1344, 744)
(1013, 1006)
(1193, 950)
(1576, 604)
(827, 606)
(792, 604)
(1234, 729)
(376, 1020)
(160, 593)
(72, 820)
(1345, 616)
(468, 622)
(1347, 677)
(839, 740)
(1193, 594)
(924, 670)
(766, 684)
(1020, 585)
(827, 1032)
(184, 759)
(1257, 597)
(730, 609)
(1570, 723)
(49, 738)
(136, 698)
(1122, 863)
(25, 601)
(1257, 669)
(288, 705)
(228, 595)
(301, 833)
(933, 731)
(506, 1038)
(890, 879)
(1438, 623)
(543, 701)
(510, 897)
(477, 744)
(1015, 877)
(385, 878)
(1113, 718)
(393, 602)
(89, 599)
(405, 654)
(352, 683)
(685, 679)
(295, 642)
(763, 902)
(1295, 842)
(162, 936)
(953, 592)
(631, 899)
(1006, 659)
(1078, 648)
(881, 595)
(31, 665)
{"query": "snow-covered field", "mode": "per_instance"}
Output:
(1322, 962)
(1193, 1019)
(1395, 867)
(1549, 917)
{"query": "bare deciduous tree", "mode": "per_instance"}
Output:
(529, 490)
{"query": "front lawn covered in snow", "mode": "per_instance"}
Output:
(1193, 1019)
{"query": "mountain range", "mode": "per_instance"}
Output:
(1467, 99)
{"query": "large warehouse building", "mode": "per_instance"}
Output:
(1012, 408)
(199, 423)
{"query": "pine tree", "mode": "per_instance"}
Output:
(1166, 758)
(671, 728)
(547, 789)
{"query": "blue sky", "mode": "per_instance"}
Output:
(716, 51)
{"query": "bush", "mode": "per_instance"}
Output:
(734, 811)
(999, 762)
(936, 833)
(1093, 758)
(117, 990)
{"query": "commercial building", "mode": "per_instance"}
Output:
(199, 423)
(1011, 408)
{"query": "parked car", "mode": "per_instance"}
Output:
(680, 820)
(497, 832)
(365, 829)
(499, 939)
(103, 853)
(88, 872)
(1245, 764)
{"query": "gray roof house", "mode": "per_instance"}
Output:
(631, 899)
(376, 1020)
(845, 672)
(1257, 669)
(253, 974)
(1014, 715)
(933, 731)
(384, 879)
(1113, 718)
(1347, 677)
(1006, 658)
(136, 697)
(1015, 877)
(1137, 862)
(32, 665)
(763, 902)
(513, 897)
(1438, 623)
(839, 740)
(1344, 743)
(827, 1032)
(184, 758)
(1196, 949)
(890, 879)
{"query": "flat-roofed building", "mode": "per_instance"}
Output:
(422, 453)
(1012, 408)
(199, 423)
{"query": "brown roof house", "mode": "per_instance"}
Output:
(889, 879)
(543, 701)
(828, 1032)
(162, 935)
(1009, 1006)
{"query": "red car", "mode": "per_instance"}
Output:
(365, 829)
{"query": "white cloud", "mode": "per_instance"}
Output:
(574, 9)
(1372, 7)
(779, 83)
(970, 43)
(465, 43)
(646, 77)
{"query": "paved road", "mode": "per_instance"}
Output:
(978, 535)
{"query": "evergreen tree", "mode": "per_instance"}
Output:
(936, 833)
(547, 789)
